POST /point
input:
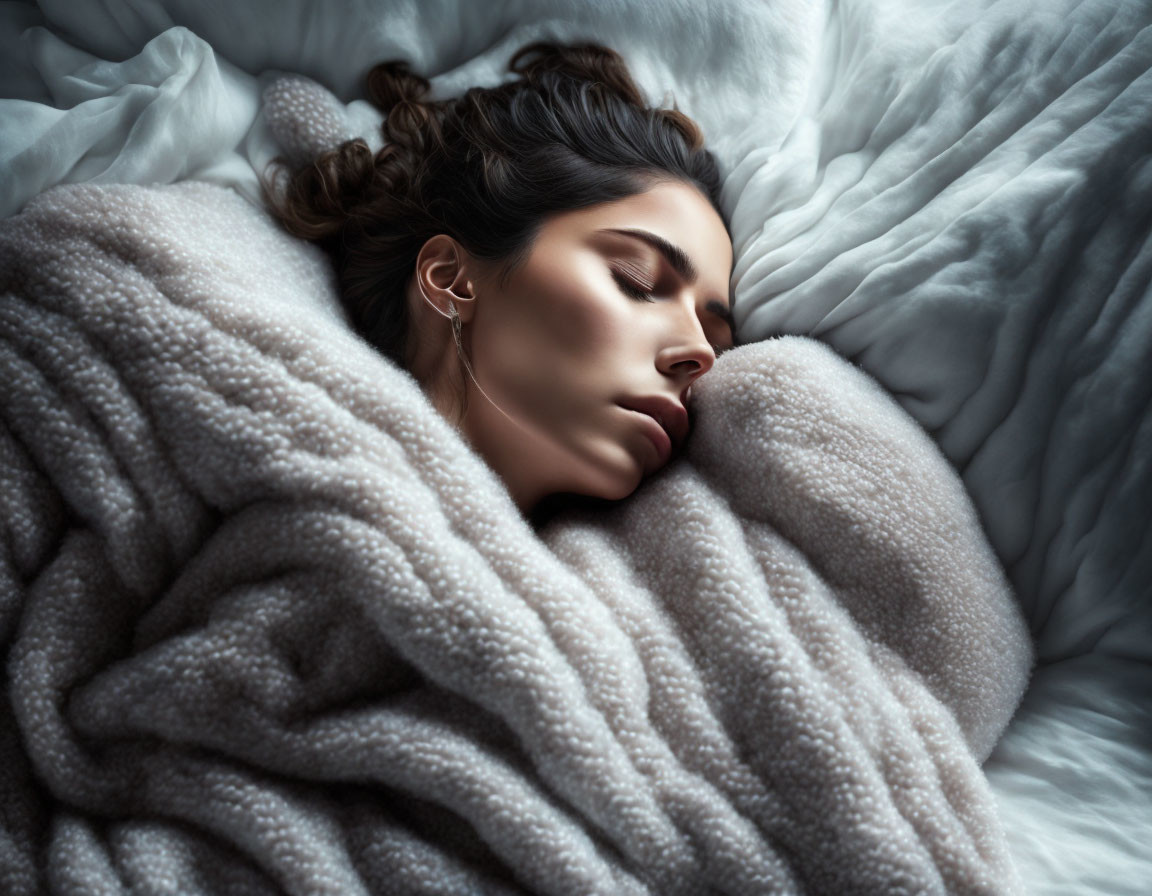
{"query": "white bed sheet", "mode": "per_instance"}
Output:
(1073, 778)
(957, 196)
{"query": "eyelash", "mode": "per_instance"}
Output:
(630, 289)
(642, 295)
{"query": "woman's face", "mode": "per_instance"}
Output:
(590, 342)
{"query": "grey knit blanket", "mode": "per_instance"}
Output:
(271, 626)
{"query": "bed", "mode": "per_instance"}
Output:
(954, 197)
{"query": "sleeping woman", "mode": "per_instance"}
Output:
(547, 257)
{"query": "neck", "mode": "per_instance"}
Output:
(513, 456)
(484, 428)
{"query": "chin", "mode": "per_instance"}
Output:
(610, 480)
(599, 495)
(617, 488)
(618, 494)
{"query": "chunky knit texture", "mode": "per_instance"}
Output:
(270, 625)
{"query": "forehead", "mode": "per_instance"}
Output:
(676, 211)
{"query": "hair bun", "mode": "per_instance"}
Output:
(586, 62)
(410, 121)
(391, 83)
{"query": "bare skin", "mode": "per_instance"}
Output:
(561, 345)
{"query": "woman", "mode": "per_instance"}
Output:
(547, 257)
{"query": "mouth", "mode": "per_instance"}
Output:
(668, 413)
(656, 433)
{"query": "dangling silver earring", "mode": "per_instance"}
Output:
(455, 316)
(456, 327)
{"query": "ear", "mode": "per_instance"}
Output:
(442, 277)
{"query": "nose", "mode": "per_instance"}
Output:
(689, 357)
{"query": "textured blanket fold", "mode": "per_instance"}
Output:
(271, 626)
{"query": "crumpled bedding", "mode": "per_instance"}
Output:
(272, 624)
(952, 194)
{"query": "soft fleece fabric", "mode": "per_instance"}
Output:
(271, 626)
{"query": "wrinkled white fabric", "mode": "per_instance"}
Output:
(172, 112)
(975, 234)
(740, 68)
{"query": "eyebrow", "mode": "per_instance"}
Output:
(681, 264)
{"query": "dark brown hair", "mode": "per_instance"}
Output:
(487, 168)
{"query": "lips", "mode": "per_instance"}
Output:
(656, 434)
(667, 412)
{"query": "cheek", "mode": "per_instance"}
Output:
(582, 321)
(564, 338)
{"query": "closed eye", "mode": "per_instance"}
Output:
(643, 295)
(631, 289)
